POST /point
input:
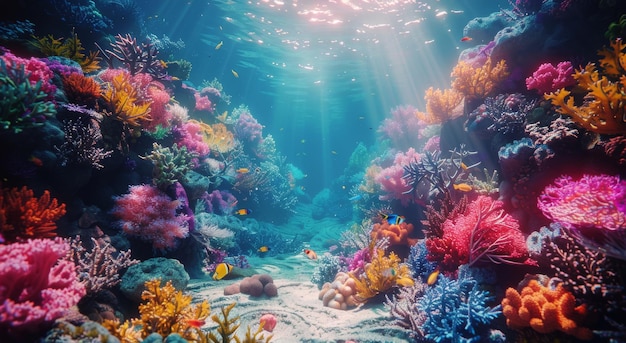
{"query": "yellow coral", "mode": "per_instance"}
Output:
(441, 106)
(122, 99)
(478, 82)
(217, 136)
(71, 48)
(164, 311)
(604, 105)
(369, 184)
(380, 275)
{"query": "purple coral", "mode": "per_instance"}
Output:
(37, 286)
(248, 129)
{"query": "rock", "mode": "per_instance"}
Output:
(166, 269)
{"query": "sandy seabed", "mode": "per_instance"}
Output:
(300, 314)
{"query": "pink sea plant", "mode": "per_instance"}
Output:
(391, 181)
(190, 136)
(483, 233)
(149, 214)
(403, 129)
(37, 286)
(159, 115)
(37, 70)
(548, 78)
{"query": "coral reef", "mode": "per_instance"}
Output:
(380, 276)
(37, 286)
(23, 216)
(339, 294)
(545, 310)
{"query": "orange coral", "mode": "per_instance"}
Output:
(23, 216)
(545, 310)
(217, 136)
(398, 234)
(604, 105)
(80, 89)
(441, 106)
(123, 100)
(478, 82)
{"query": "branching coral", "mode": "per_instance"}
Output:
(402, 308)
(24, 104)
(23, 216)
(99, 268)
(124, 102)
(380, 275)
(37, 286)
(545, 310)
(603, 109)
(398, 234)
(441, 106)
(137, 58)
(455, 310)
(164, 311)
(149, 214)
(484, 233)
(80, 89)
(170, 165)
(71, 48)
(227, 328)
(477, 83)
(80, 144)
(504, 114)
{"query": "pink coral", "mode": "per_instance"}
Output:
(159, 114)
(548, 78)
(391, 181)
(268, 321)
(592, 201)
(484, 232)
(149, 214)
(38, 71)
(403, 129)
(37, 286)
(248, 129)
(203, 103)
(190, 136)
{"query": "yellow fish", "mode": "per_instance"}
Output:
(234, 73)
(219, 45)
(222, 117)
(462, 187)
(242, 211)
(405, 281)
(263, 249)
(222, 270)
(464, 166)
(242, 170)
(432, 278)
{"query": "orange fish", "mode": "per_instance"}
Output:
(195, 323)
(242, 170)
(462, 187)
(310, 254)
(466, 39)
(242, 211)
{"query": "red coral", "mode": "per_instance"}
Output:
(36, 286)
(482, 233)
(149, 214)
(80, 89)
(23, 216)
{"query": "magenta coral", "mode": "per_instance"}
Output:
(248, 129)
(37, 286)
(37, 71)
(591, 201)
(219, 202)
(548, 78)
(159, 116)
(149, 214)
(190, 136)
(203, 103)
(391, 181)
(484, 232)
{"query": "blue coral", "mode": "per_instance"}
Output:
(417, 262)
(456, 310)
(327, 268)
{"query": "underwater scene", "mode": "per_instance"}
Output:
(313, 171)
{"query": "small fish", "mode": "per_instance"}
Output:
(389, 273)
(333, 152)
(355, 198)
(219, 45)
(36, 161)
(235, 74)
(466, 39)
(462, 187)
(464, 166)
(222, 270)
(195, 323)
(242, 170)
(432, 278)
(393, 219)
(242, 211)
(405, 282)
(263, 249)
(310, 254)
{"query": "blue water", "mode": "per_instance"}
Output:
(320, 75)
